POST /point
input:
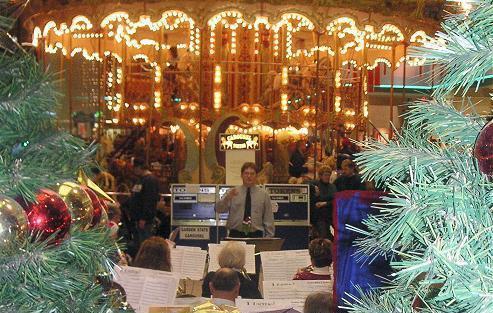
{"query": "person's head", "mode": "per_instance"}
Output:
(154, 253)
(301, 145)
(139, 167)
(249, 174)
(114, 212)
(324, 173)
(225, 284)
(320, 252)
(319, 302)
(348, 168)
(232, 255)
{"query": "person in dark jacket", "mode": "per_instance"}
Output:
(145, 196)
(323, 203)
(232, 256)
(297, 161)
(350, 180)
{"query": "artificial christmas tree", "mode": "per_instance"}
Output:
(436, 224)
(49, 259)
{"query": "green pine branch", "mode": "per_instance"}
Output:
(463, 49)
(44, 277)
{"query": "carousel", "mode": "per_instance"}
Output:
(170, 79)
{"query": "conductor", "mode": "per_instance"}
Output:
(249, 207)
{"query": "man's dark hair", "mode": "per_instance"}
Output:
(320, 302)
(95, 170)
(140, 164)
(320, 252)
(249, 165)
(225, 279)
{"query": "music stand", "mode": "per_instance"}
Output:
(261, 244)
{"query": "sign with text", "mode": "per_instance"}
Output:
(292, 201)
(193, 202)
(239, 142)
(263, 305)
(194, 233)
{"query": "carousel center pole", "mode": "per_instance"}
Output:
(317, 103)
(201, 99)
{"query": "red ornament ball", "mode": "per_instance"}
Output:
(97, 206)
(49, 214)
(483, 149)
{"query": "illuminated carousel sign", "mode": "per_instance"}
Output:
(239, 142)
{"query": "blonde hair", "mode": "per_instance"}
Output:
(324, 169)
(330, 162)
(232, 255)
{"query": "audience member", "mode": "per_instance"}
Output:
(225, 287)
(145, 195)
(319, 302)
(154, 253)
(232, 256)
(321, 259)
(330, 161)
(350, 180)
(298, 160)
(323, 205)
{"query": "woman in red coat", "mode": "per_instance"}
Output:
(321, 259)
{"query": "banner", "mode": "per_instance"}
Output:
(351, 207)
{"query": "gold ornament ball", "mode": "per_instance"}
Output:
(79, 204)
(13, 221)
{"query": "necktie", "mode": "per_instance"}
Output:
(248, 205)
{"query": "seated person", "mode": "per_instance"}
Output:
(225, 287)
(154, 253)
(319, 302)
(232, 256)
(321, 259)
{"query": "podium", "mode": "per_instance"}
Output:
(261, 244)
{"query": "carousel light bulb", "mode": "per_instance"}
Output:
(338, 79)
(217, 74)
(217, 99)
(284, 101)
(284, 76)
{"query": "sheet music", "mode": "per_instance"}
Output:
(145, 287)
(214, 250)
(157, 292)
(294, 289)
(188, 262)
(262, 305)
(132, 280)
(283, 265)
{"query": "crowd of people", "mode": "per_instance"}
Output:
(335, 173)
(223, 286)
(143, 227)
